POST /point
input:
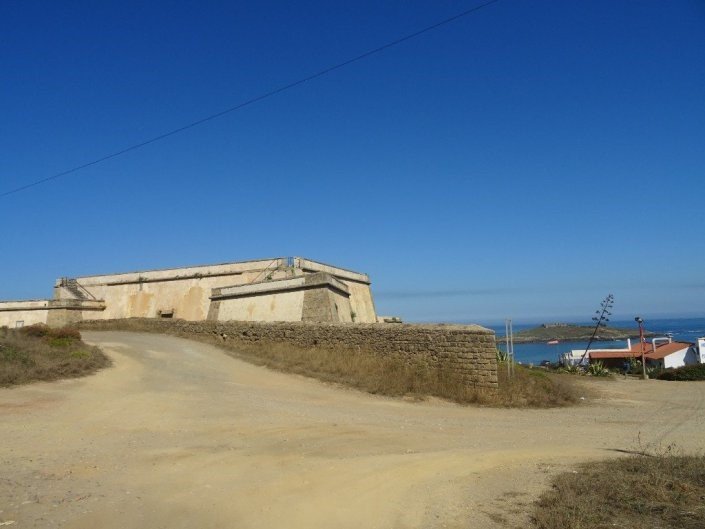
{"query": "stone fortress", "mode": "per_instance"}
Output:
(285, 289)
(285, 300)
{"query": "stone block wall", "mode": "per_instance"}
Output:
(467, 350)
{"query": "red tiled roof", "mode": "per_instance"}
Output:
(605, 354)
(662, 351)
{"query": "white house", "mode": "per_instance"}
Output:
(661, 352)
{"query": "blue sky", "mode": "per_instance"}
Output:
(523, 161)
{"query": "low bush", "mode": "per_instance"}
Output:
(572, 370)
(67, 333)
(38, 330)
(38, 352)
(637, 492)
(535, 388)
(694, 372)
(598, 369)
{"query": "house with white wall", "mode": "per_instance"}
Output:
(660, 352)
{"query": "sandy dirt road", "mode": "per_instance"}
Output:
(179, 435)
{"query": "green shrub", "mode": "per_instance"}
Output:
(44, 354)
(653, 371)
(61, 337)
(598, 369)
(572, 370)
(14, 355)
(60, 342)
(694, 372)
(634, 365)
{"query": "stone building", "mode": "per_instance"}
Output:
(279, 289)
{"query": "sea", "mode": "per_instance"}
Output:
(682, 329)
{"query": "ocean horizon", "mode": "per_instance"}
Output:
(682, 329)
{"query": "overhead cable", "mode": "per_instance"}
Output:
(253, 100)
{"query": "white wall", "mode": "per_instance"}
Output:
(281, 306)
(28, 317)
(676, 359)
(29, 312)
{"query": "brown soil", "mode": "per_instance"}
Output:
(178, 434)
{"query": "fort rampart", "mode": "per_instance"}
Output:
(466, 350)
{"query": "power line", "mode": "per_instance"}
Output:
(253, 100)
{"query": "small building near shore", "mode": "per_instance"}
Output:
(660, 352)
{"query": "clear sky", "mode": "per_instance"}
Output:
(523, 161)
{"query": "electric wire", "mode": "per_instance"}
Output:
(253, 100)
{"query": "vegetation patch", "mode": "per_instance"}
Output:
(39, 352)
(536, 388)
(635, 492)
(693, 372)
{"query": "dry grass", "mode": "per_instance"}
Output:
(637, 492)
(383, 375)
(40, 353)
(398, 377)
(537, 388)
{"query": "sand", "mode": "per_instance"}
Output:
(179, 435)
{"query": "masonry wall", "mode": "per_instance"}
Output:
(185, 292)
(27, 312)
(361, 301)
(358, 284)
(326, 305)
(468, 350)
(279, 306)
(55, 313)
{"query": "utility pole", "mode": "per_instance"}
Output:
(640, 321)
(509, 338)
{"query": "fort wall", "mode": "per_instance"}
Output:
(361, 301)
(20, 313)
(467, 350)
(312, 297)
(178, 292)
(56, 313)
(278, 289)
(188, 293)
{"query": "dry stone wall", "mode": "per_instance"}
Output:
(468, 350)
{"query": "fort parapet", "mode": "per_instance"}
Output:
(278, 289)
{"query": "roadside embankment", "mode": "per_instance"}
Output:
(39, 352)
(453, 362)
(643, 490)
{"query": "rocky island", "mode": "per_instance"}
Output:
(568, 332)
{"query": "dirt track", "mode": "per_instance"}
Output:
(179, 435)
